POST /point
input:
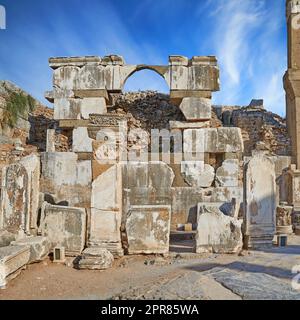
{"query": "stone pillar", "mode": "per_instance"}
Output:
(50, 144)
(259, 202)
(292, 77)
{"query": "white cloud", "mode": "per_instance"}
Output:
(246, 37)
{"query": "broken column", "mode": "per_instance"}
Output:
(259, 202)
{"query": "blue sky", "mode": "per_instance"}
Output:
(247, 36)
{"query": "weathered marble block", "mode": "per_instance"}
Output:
(39, 247)
(64, 227)
(259, 202)
(217, 232)
(197, 174)
(148, 229)
(32, 166)
(81, 140)
(195, 108)
(92, 106)
(228, 174)
(212, 140)
(15, 199)
(106, 214)
(12, 260)
(95, 259)
(67, 179)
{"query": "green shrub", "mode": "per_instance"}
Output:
(18, 104)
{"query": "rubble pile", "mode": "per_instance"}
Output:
(258, 125)
(150, 110)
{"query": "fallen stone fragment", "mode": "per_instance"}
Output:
(95, 259)
(39, 247)
(12, 260)
(217, 232)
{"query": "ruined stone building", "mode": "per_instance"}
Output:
(131, 173)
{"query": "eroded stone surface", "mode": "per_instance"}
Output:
(39, 247)
(228, 174)
(148, 229)
(12, 259)
(64, 227)
(96, 259)
(259, 202)
(198, 174)
(196, 108)
(217, 232)
(14, 215)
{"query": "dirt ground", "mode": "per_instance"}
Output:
(253, 275)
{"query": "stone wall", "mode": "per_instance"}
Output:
(257, 125)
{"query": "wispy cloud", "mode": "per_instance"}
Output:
(246, 39)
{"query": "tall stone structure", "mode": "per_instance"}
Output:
(292, 77)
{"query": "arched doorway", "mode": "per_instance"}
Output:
(146, 78)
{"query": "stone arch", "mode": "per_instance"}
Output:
(162, 71)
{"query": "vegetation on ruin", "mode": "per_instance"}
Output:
(18, 104)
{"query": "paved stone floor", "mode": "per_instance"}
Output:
(254, 275)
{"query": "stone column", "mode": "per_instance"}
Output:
(259, 202)
(292, 77)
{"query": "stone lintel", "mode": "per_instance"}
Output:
(189, 125)
(92, 93)
(176, 96)
(203, 60)
(73, 61)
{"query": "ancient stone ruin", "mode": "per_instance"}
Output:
(125, 174)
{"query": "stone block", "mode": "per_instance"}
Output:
(223, 140)
(148, 229)
(65, 179)
(12, 260)
(39, 247)
(105, 227)
(259, 202)
(31, 164)
(194, 144)
(188, 125)
(217, 232)
(186, 199)
(229, 140)
(81, 140)
(196, 109)
(197, 174)
(15, 199)
(67, 108)
(64, 227)
(93, 106)
(50, 144)
(107, 189)
(228, 174)
(6, 238)
(95, 259)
